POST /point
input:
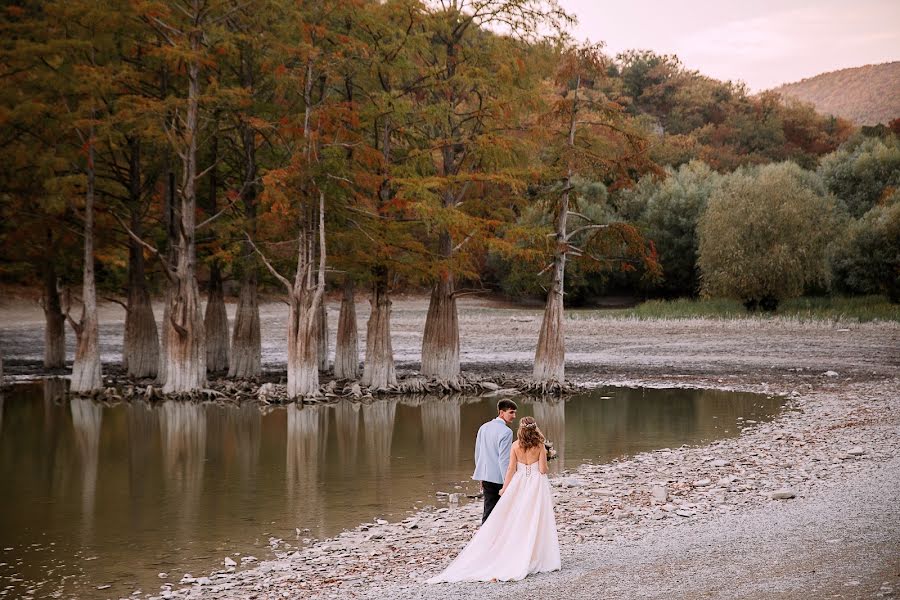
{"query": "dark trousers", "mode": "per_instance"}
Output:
(491, 497)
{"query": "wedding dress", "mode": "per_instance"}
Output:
(517, 539)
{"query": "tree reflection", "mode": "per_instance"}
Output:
(87, 418)
(142, 422)
(440, 429)
(378, 426)
(183, 426)
(307, 432)
(346, 420)
(551, 418)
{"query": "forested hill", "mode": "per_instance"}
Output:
(865, 95)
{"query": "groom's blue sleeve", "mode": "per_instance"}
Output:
(505, 446)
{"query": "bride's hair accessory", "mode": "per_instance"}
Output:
(529, 435)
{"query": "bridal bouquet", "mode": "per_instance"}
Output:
(551, 451)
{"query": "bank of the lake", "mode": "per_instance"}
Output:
(837, 431)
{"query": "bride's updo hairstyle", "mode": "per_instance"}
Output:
(529, 435)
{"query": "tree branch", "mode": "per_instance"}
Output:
(278, 276)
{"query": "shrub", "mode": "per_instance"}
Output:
(869, 260)
(765, 235)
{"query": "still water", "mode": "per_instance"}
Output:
(96, 495)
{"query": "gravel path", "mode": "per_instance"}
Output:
(842, 544)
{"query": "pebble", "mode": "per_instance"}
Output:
(784, 494)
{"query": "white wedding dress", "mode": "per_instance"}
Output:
(517, 539)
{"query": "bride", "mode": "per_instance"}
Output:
(520, 535)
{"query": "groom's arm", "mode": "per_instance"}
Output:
(505, 447)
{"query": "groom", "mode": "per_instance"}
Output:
(492, 454)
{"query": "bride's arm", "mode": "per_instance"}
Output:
(511, 470)
(542, 464)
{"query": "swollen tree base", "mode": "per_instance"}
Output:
(550, 357)
(440, 343)
(379, 371)
(215, 323)
(185, 357)
(140, 349)
(346, 350)
(246, 347)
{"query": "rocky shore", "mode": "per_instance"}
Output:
(831, 429)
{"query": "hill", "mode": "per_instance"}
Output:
(866, 95)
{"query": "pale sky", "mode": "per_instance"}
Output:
(762, 42)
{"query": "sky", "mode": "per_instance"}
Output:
(763, 43)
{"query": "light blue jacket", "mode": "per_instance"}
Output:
(492, 451)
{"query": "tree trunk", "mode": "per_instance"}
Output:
(140, 347)
(346, 350)
(246, 346)
(440, 344)
(550, 356)
(216, 324)
(303, 347)
(183, 331)
(322, 336)
(86, 368)
(549, 359)
(55, 332)
(379, 371)
(246, 350)
(304, 317)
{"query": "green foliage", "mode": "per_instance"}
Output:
(864, 173)
(837, 309)
(669, 218)
(868, 261)
(765, 235)
(517, 269)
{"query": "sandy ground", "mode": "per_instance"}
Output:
(836, 449)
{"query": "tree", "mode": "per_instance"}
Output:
(594, 136)
(471, 90)
(868, 261)
(670, 218)
(864, 173)
(765, 235)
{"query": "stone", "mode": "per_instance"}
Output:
(830, 374)
(702, 482)
(681, 512)
(856, 451)
(228, 562)
(659, 493)
(490, 385)
(720, 463)
(782, 494)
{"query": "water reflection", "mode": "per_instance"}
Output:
(183, 428)
(378, 430)
(440, 430)
(551, 418)
(346, 422)
(142, 423)
(307, 433)
(87, 418)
